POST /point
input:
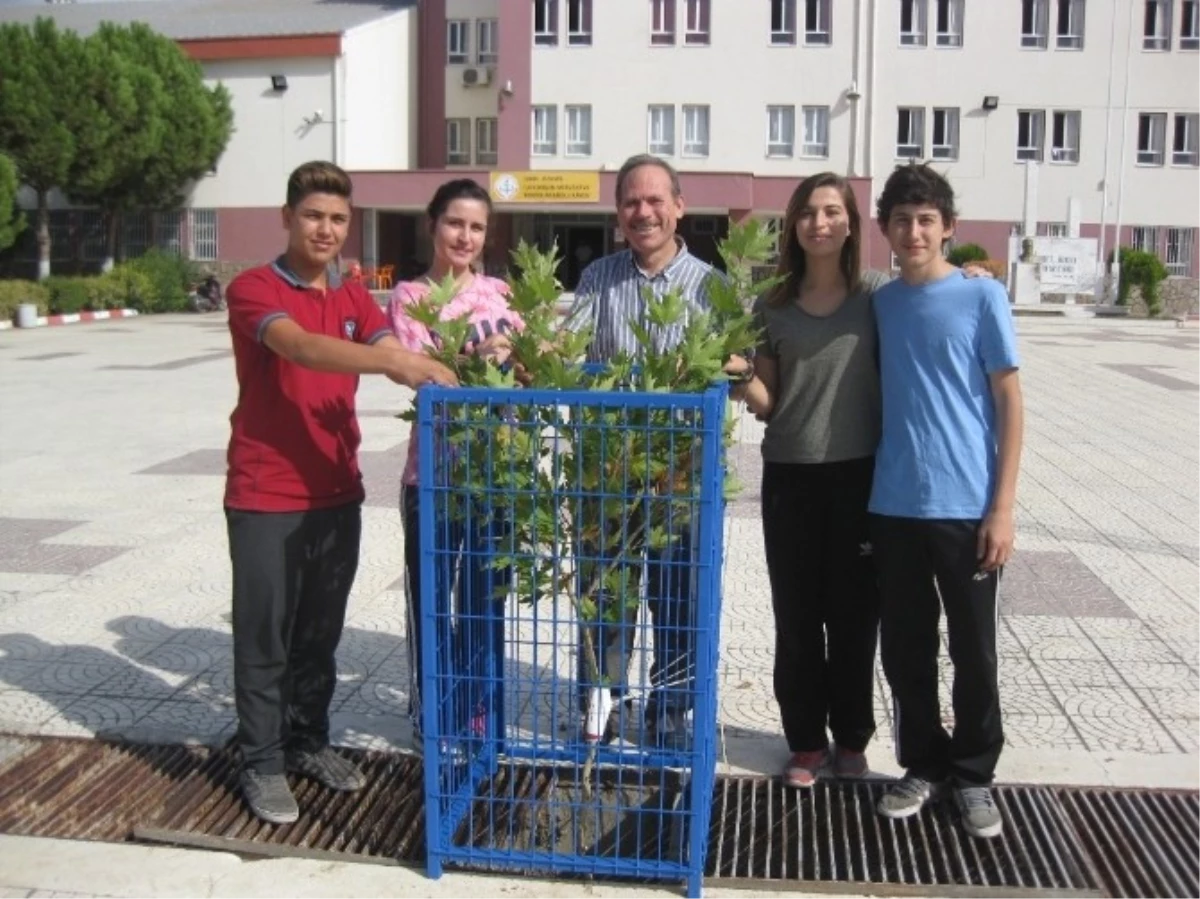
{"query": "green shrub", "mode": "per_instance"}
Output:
(134, 287)
(69, 295)
(967, 252)
(14, 293)
(171, 278)
(1146, 271)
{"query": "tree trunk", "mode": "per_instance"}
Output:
(110, 241)
(43, 235)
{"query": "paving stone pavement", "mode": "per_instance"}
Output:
(114, 574)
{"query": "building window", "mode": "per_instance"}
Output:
(660, 128)
(695, 130)
(1189, 25)
(912, 22)
(949, 24)
(1156, 30)
(579, 130)
(458, 42)
(910, 132)
(1068, 32)
(816, 132)
(545, 22)
(1052, 229)
(1152, 133)
(545, 131)
(783, 22)
(816, 23)
(579, 23)
(168, 231)
(1064, 137)
(944, 142)
(1031, 134)
(662, 22)
(487, 41)
(1184, 144)
(1144, 239)
(485, 141)
(1180, 242)
(781, 130)
(1035, 23)
(203, 226)
(458, 141)
(697, 27)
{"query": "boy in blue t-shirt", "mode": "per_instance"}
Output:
(943, 497)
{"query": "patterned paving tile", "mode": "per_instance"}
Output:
(1152, 375)
(1116, 719)
(22, 548)
(1040, 731)
(1056, 584)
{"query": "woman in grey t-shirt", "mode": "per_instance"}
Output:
(816, 384)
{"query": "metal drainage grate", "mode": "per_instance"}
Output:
(1057, 840)
(831, 833)
(1144, 843)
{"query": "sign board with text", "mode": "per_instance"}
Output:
(545, 187)
(1065, 264)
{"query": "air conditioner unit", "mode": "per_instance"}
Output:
(476, 76)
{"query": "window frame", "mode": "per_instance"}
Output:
(1179, 243)
(579, 35)
(697, 149)
(1035, 152)
(1076, 14)
(462, 28)
(550, 120)
(1189, 155)
(1039, 15)
(1160, 39)
(701, 35)
(786, 34)
(1189, 14)
(204, 230)
(667, 147)
(487, 152)
(575, 114)
(460, 155)
(547, 36)
(1147, 155)
(952, 36)
(784, 110)
(491, 29)
(916, 124)
(662, 23)
(917, 34)
(820, 32)
(822, 146)
(951, 123)
(1066, 154)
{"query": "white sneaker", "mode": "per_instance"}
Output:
(595, 719)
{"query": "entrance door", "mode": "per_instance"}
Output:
(581, 244)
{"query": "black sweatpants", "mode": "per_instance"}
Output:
(823, 593)
(472, 629)
(926, 566)
(292, 574)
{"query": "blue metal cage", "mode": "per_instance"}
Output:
(571, 549)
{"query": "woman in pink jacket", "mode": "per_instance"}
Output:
(458, 223)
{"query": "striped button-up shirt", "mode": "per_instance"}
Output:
(609, 295)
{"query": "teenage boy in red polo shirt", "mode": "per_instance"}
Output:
(293, 494)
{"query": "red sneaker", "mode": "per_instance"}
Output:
(848, 763)
(801, 769)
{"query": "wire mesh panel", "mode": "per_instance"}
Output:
(570, 606)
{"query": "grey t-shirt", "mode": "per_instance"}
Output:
(827, 405)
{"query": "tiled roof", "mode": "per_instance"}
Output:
(201, 19)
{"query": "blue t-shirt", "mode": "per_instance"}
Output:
(938, 344)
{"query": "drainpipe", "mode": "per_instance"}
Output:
(852, 94)
(1108, 109)
(1116, 268)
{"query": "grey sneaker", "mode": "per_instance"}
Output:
(269, 796)
(327, 767)
(980, 814)
(905, 797)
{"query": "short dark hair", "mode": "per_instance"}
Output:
(916, 184)
(636, 162)
(458, 189)
(317, 177)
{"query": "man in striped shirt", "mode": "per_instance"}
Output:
(609, 295)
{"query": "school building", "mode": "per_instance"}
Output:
(541, 100)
